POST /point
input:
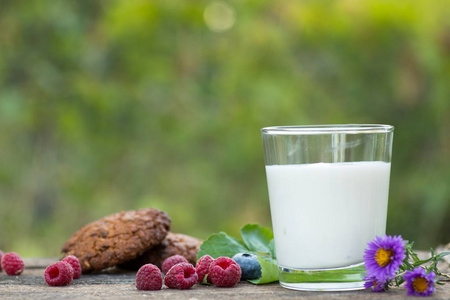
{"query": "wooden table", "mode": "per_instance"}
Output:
(119, 284)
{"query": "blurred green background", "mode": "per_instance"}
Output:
(117, 105)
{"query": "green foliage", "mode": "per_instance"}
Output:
(412, 261)
(117, 105)
(255, 239)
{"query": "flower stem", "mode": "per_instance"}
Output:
(447, 276)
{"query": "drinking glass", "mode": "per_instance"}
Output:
(328, 190)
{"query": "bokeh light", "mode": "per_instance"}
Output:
(219, 16)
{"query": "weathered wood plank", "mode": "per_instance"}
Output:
(119, 284)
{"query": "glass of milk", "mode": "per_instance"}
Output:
(328, 189)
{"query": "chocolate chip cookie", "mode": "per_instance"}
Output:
(174, 243)
(117, 238)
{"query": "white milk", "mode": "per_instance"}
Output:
(324, 214)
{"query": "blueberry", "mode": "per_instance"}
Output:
(249, 265)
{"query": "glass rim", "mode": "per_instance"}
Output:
(327, 129)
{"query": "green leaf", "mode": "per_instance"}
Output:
(407, 266)
(269, 271)
(272, 249)
(257, 238)
(221, 244)
(421, 262)
(442, 254)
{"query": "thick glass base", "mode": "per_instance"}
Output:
(336, 279)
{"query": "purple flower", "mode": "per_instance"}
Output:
(375, 284)
(383, 257)
(419, 283)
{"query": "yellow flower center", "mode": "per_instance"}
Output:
(420, 284)
(383, 257)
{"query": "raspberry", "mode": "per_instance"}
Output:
(58, 274)
(224, 272)
(202, 267)
(181, 276)
(1, 255)
(149, 278)
(75, 263)
(249, 264)
(172, 261)
(12, 263)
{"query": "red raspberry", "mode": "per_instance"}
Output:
(172, 261)
(12, 263)
(181, 276)
(1, 255)
(75, 263)
(202, 267)
(208, 279)
(224, 272)
(149, 278)
(59, 274)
